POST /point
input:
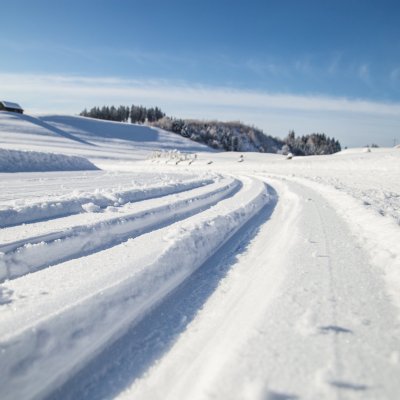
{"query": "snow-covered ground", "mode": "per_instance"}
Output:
(175, 272)
(22, 161)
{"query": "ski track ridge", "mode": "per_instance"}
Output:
(47, 340)
(35, 253)
(59, 207)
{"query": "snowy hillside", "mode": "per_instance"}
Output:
(228, 136)
(166, 275)
(102, 142)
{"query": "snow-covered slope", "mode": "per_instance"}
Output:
(102, 142)
(217, 276)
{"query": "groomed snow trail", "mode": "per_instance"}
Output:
(289, 308)
(55, 320)
(302, 315)
(60, 240)
(178, 272)
(54, 206)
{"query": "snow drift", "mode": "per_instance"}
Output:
(32, 161)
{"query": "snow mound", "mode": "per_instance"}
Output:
(91, 207)
(32, 161)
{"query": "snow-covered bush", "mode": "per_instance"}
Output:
(172, 156)
(229, 136)
(313, 144)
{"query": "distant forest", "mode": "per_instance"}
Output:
(313, 144)
(228, 136)
(134, 114)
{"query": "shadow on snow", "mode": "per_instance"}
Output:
(52, 129)
(105, 129)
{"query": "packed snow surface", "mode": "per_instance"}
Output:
(176, 272)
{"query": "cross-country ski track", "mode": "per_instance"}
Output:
(213, 279)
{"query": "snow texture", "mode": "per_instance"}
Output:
(32, 161)
(44, 207)
(176, 272)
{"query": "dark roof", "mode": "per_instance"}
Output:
(8, 104)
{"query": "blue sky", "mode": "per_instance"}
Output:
(326, 66)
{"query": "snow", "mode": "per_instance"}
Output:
(31, 161)
(102, 142)
(177, 272)
(44, 205)
(91, 207)
(33, 253)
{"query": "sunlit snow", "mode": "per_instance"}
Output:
(176, 272)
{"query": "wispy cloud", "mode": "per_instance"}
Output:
(279, 68)
(70, 94)
(263, 68)
(304, 66)
(105, 88)
(334, 64)
(364, 73)
(310, 70)
(395, 74)
(98, 54)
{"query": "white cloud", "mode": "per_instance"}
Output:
(276, 113)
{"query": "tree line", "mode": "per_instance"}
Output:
(134, 114)
(230, 136)
(313, 144)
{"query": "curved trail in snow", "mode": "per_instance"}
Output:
(294, 317)
(144, 343)
(251, 292)
(43, 209)
(57, 243)
(70, 313)
(207, 276)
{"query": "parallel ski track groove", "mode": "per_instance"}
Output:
(62, 208)
(111, 305)
(79, 241)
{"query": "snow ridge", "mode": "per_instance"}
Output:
(63, 335)
(31, 161)
(34, 253)
(99, 199)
